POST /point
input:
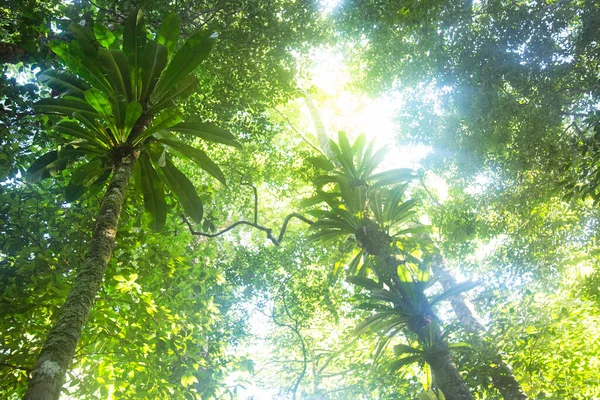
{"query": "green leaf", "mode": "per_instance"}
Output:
(459, 288)
(403, 362)
(132, 114)
(94, 126)
(47, 165)
(134, 41)
(400, 349)
(168, 33)
(114, 63)
(321, 162)
(86, 39)
(185, 191)
(198, 156)
(206, 131)
(359, 145)
(75, 130)
(462, 347)
(364, 282)
(86, 68)
(186, 86)
(185, 60)
(102, 104)
(393, 176)
(105, 37)
(161, 122)
(63, 82)
(154, 60)
(82, 177)
(65, 107)
(153, 192)
(345, 149)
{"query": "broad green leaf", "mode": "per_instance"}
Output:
(96, 127)
(198, 156)
(186, 86)
(345, 148)
(184, 61)
(206, 131)
(86, 40)
(364, 282)
(63, 82)
(82, 177)
(400, 349)
(75, 130)
(168, 33)
(118, 104)
(460, 347)
(132, 114)
(358, 146)
(403, 362)
(163, 121)
(185, 191)
(114, 63)
(154, 60)
(47, 165)
(321, 162)
(393, 176)
(134, 41)
(102, 104)
(105, 37)
(153, 192)
(99, 102)
(74, 58)
(65, 107)
(373, 162)
(188, 380)
(415, 230)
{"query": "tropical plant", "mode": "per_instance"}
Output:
(369, 210)
(116, 99)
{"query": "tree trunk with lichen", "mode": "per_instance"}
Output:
(48, 375)
(501, 374)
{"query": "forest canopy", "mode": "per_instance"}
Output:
(299, 199)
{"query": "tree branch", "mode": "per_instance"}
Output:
(275, 240)
(12, 366)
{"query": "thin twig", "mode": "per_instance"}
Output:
(275, 240)
(3, 364)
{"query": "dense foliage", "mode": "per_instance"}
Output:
(255, 259)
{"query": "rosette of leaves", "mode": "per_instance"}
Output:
(380, 227)
(117, 95)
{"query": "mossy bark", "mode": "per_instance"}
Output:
(446, 374)
(375, 241)
(501, 374)
(48, 375)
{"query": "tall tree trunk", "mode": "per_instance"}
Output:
(376, 242)
(501, 374)
(48, 376)
(439, 358)
(446, 374)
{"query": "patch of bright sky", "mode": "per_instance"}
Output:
(327, 6)
(355, 114)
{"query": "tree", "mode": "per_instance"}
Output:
(116, 102)
(361, 207)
